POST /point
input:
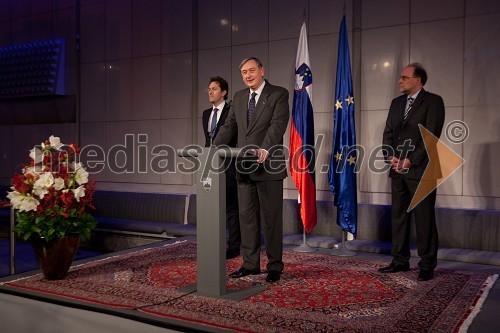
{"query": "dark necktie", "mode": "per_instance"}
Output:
(214, 123)
(410, 103)
(251, 107)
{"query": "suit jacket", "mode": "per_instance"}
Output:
(428, 111)
(265, 130)
(222, 119)
(231, 170)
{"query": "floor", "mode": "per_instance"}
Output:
(19, 314)
(25, 258)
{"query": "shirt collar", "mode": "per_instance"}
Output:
(219, 107)
(259, 90)
(414, 96)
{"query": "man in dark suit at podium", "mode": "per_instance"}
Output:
(258, 118)
(213, 118)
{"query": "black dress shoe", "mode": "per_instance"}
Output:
(425, 275)
(232, 253)
(393, 268)
(243, 272)
(273, 276)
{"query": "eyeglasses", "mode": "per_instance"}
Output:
(404, 78)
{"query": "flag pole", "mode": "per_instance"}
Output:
(304, 247)
(340, 250)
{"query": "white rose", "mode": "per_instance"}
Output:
(81, 176)
(55, 142)
(28, 203)
(79, 192)
(45, 180)
(36, 154)
(40, 191)
(58, 184)
(15, 199)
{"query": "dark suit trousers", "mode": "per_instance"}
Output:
(261, 200)
(232, 215)
(425, 224)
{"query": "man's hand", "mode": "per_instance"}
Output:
(401, 166)
(394, 161)
(261, 155)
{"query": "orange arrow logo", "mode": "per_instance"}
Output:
(443, 162)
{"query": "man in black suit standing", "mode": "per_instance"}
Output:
(212, 119)
(259, 117)
(408, 158)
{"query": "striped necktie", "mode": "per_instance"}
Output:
(410, 103)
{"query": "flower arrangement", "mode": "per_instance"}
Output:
(53, 194)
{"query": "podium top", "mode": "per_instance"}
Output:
(225, 152)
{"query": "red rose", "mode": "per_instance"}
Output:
(67, 197)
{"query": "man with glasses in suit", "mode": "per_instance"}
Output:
(406, 152)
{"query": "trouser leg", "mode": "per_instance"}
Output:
(249, 224)
(271, 204)
(401, 220)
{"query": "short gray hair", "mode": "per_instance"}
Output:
(257, 60)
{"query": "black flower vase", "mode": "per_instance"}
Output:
(55, 257)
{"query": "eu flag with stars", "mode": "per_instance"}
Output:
(341, 172)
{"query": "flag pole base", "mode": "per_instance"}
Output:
(304, 247)
(342, 252)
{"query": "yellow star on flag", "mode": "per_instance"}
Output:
(351, 160)
(338, 156)
(338, 105)
(350, 100)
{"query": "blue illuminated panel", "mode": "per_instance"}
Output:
(32, 69)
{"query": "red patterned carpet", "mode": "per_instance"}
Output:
(317, 293)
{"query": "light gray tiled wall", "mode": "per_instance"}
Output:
(457, 43)
(137, 75)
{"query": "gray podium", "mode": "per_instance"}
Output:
(210, 183)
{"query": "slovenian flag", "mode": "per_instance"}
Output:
(341, 174)
(302, 152)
